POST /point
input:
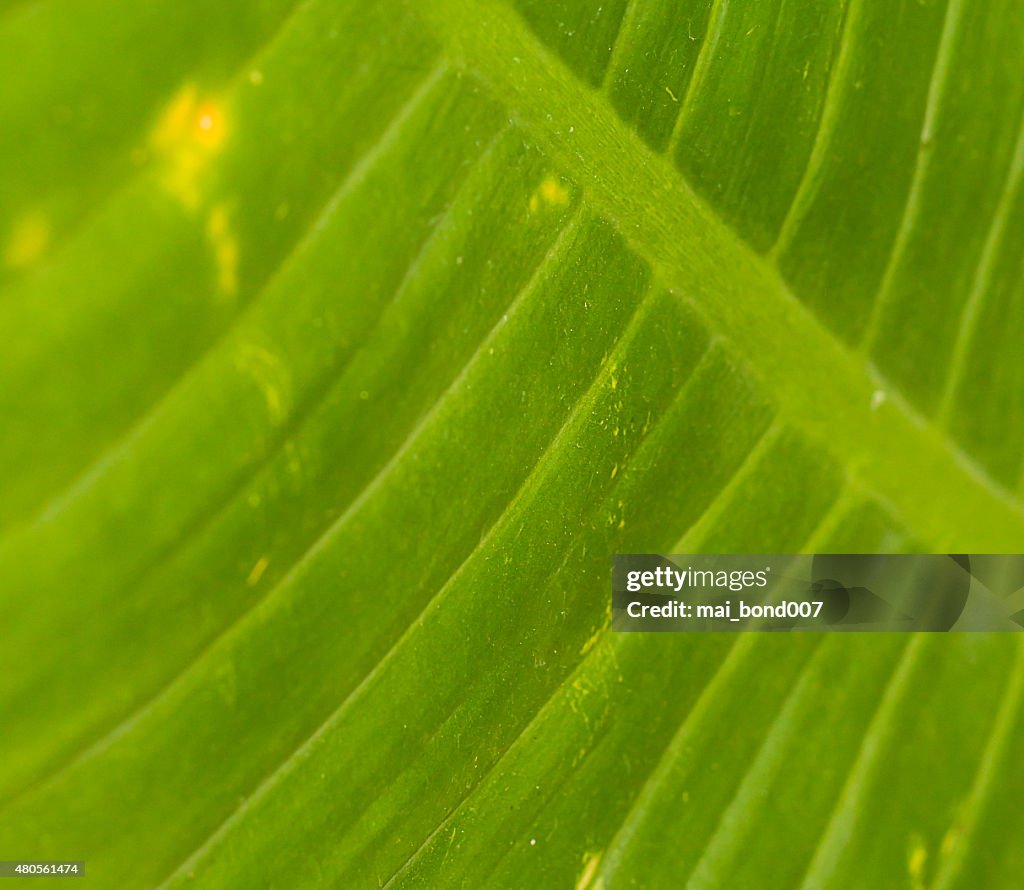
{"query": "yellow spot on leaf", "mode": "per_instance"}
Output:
(257, 571)
(210, 124)
(590, 865)
(554, 192)
(950, 841)
(28, 241)
(186, 137)
(267, 372)
(225, 249)
(615, 472)
(916, 862)
(596, 636)
(551, 193)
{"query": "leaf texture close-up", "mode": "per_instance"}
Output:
(344, 343)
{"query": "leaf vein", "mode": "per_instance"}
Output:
(940, 81)
(553, 447)
(360, 170)
(981, 282)
(823, 386)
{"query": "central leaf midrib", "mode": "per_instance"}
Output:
(821, 387)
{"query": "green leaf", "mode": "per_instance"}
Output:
(346, 342)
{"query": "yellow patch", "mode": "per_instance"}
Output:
(916, 863)
(595, 636)
(225, 249)
(590, 866)
(950, 840)
(550, 192)
(28, 241)
(554, 192)
(189, 133)
(267, 372)
(257, 571)
(209, 129)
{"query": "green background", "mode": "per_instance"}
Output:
(342, 343)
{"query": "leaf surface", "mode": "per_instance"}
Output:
(346, 343)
